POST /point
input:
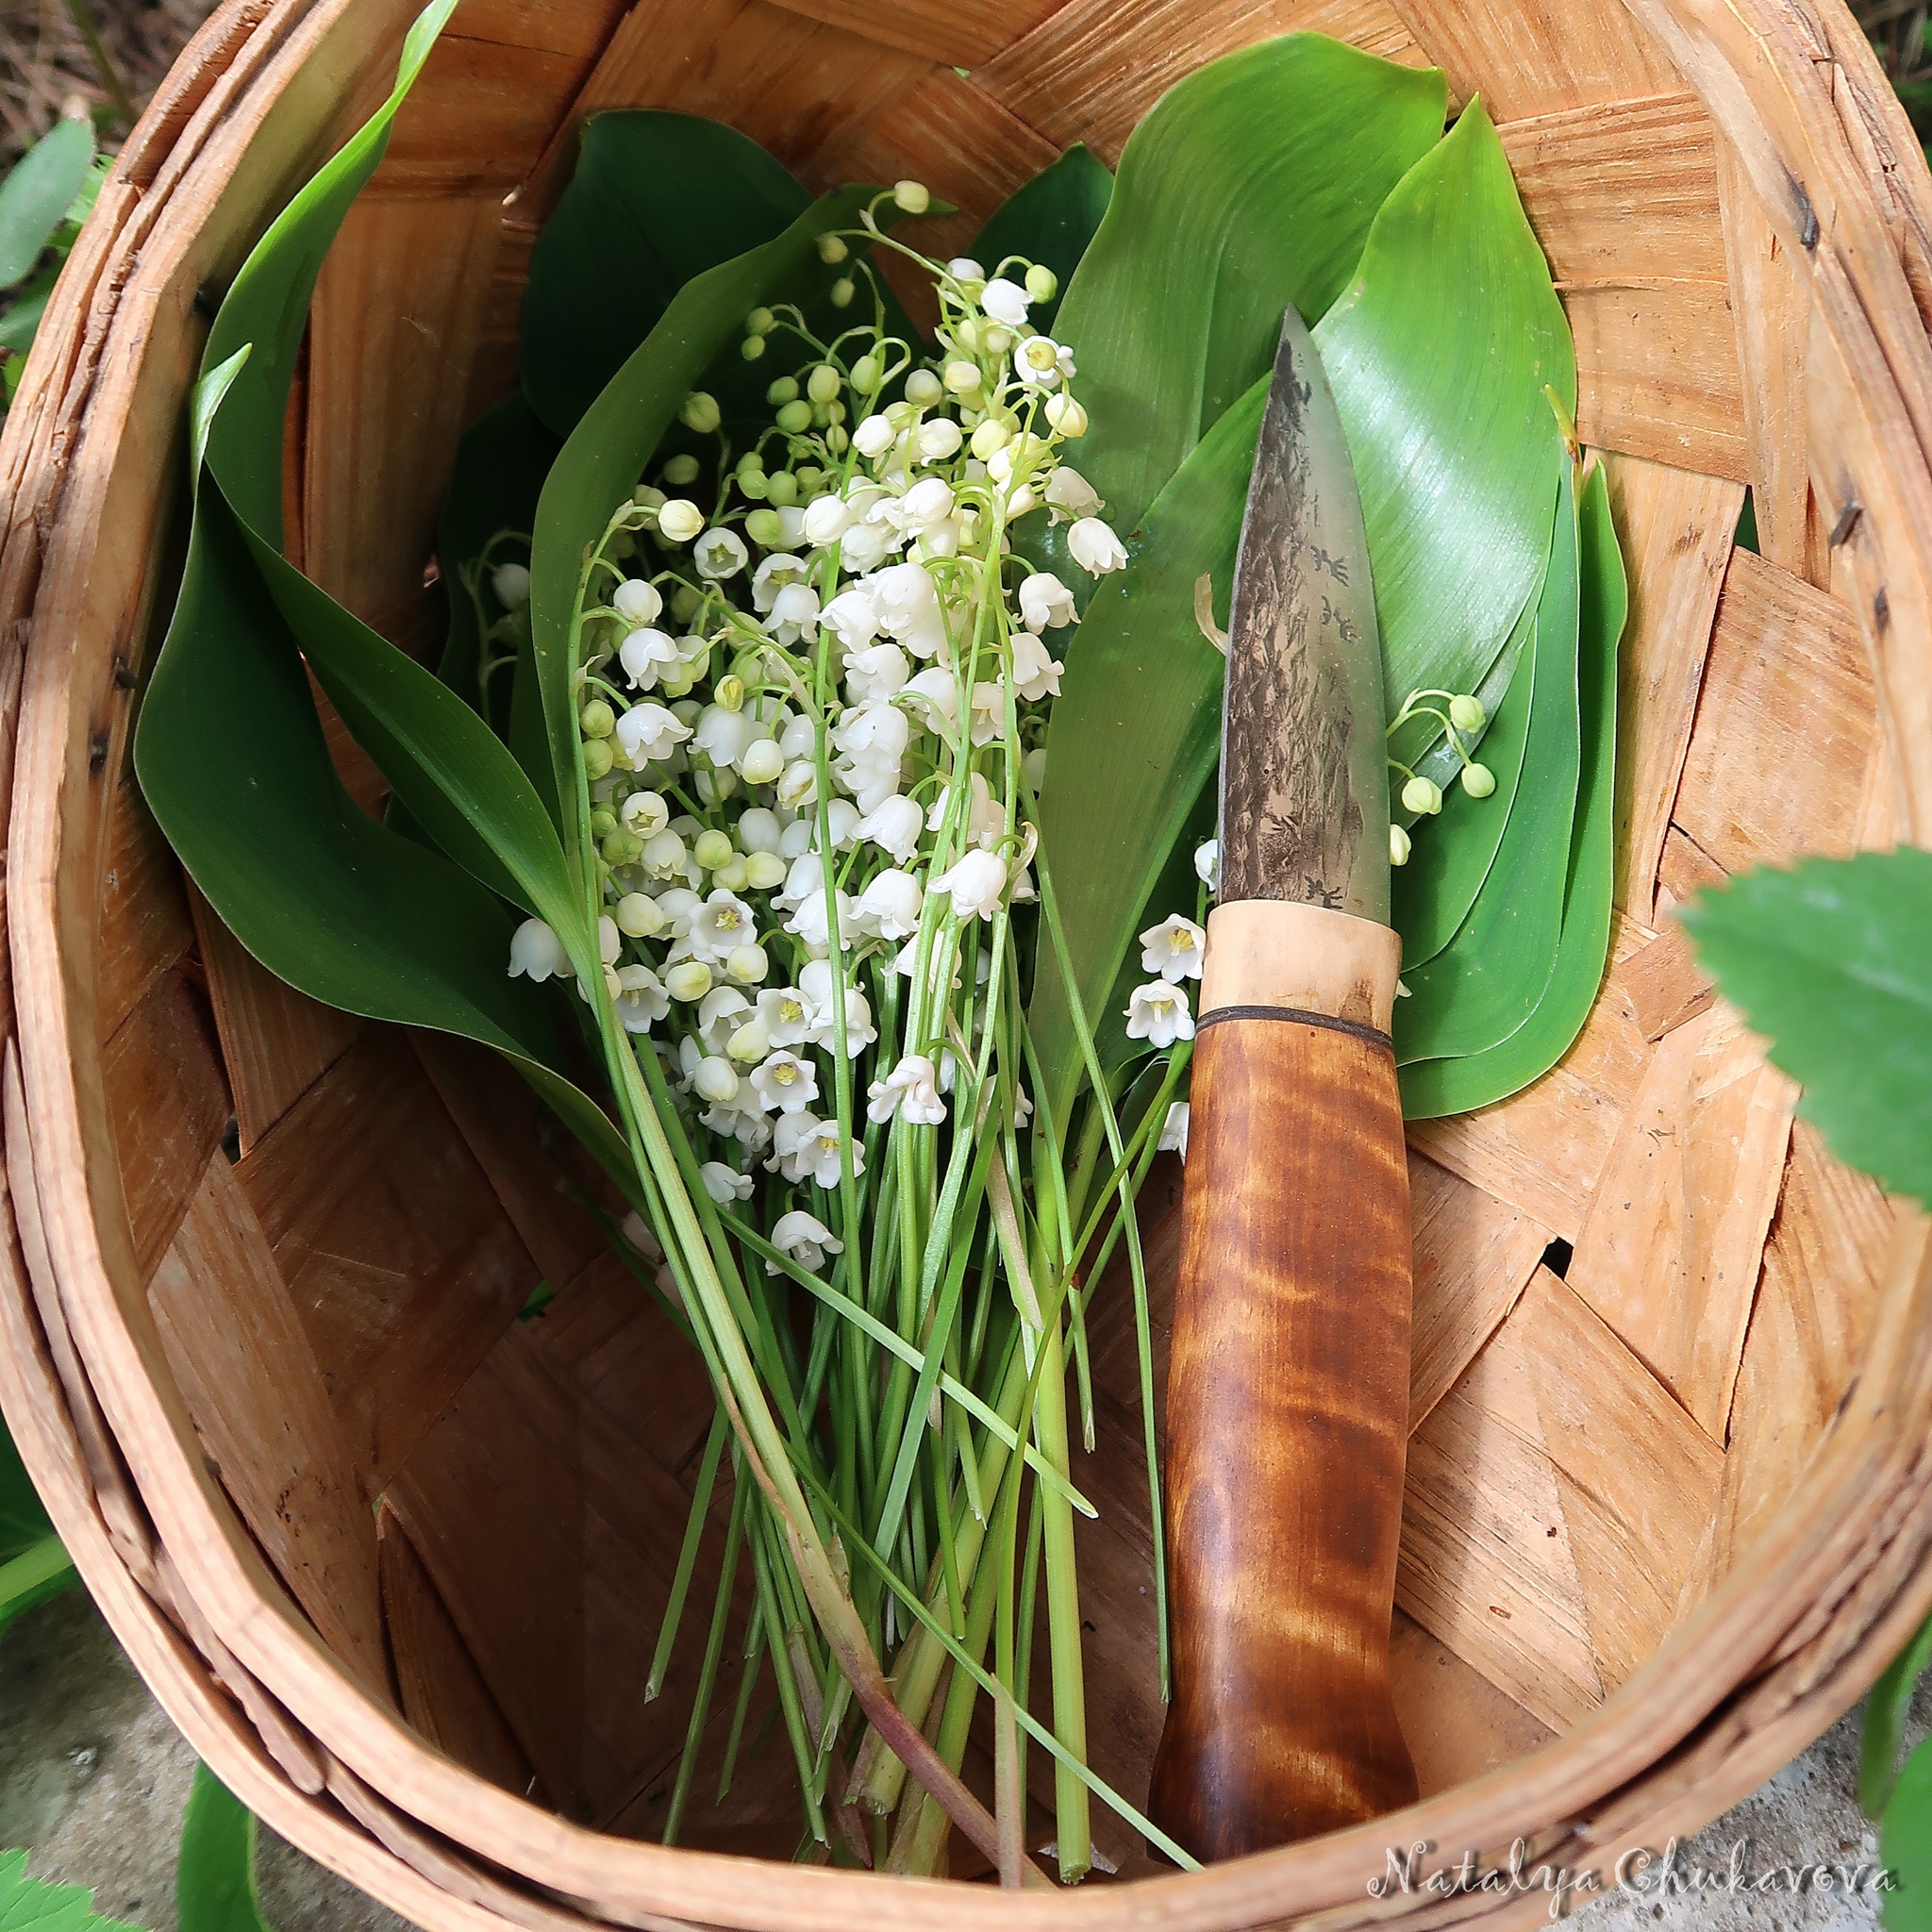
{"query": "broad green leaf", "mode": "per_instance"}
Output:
(1452, 852)
(1250, 185)
(607, 452)
(1051, 220)
(1440, 354)
(37, 193)
(34, 1564)
(214, 1878)
(1904, 1846)
(1885, 1719)
(1134, 733)
(28, 1905)
(1482, 986)
(1438, 1086)
(22, 321)
(1832, 962)
(656, 199)
(500, 467)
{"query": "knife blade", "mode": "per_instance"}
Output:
(1304, 777)
(1288, 1382)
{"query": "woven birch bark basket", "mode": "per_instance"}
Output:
(393, 1558)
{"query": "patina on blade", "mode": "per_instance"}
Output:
(1304, 777)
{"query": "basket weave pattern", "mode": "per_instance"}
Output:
(1667, 1510)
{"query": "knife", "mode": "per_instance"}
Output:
(1287, 1379)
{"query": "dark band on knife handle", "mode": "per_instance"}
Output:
(1287, 1394)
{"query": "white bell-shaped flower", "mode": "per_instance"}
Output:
(637, 602)
(804, 1239)
(889, 903)
(851, 618)
(641, 1000)
(910, 1089)
(771, 575)
(722, 736)
(989, 712)
(1095, 547)
(876, 670)
(1046, 602)
(1036, 674)
(933, 696)
(865, 546)
(937, 440)
(1004, 302)
(724, 1185)
(649, 733)
(893, 826)
(720, 926)
(874, 437)
(977, 884)
(795, 613)
(1174, 949)
(827, 518)
(1039, 362)
(721, 1012)
(537, 953)
(1070, 495)
(784, 1083)
(1157, 1013)
(786, 1014)
(1173, 1130)
(510, 583)
(715, 1079)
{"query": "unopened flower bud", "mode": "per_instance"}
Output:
(682, 470)
(716, 1079)
(730, 692)
(1398, 845)
(761, 763)
(597, 720)
(911, 196)
(746, 964)
(781, 488)
(1066, 415)
(1042, 285)
(598, 758)
(961, 377)
(924, 389)
(681, 520)
(843, 292)
(1421, 795)
(764, 526)
(712, 849)
(512, 584)
(764, 871)
(794, 417)
(700, 412)
(832, 248)
(636, 914)
(689, 979)
(836, 438)
(783, 391)
(866, 373)
(620, 847)
(647, 498)
(990, 438)
(732, 875)
(758, 323)
(824, 384)
(1479, 780)
(752, 348)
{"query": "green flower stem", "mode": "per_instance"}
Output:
(708, 1676)
(687, 1554)
(753, 1659)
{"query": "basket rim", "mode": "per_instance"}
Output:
(1861, 1512)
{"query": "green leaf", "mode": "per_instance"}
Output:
(500, 467)
(1885, 1719)
(1905, 1845)
(607, 452)
(23, 1521)
(656, 199)
(37, 193)
(1135, 734)
(1453, 853)
(1249, 185)
(1485, 984)
(1439, 354)
(214, 1880)
(22, 321)
(1438, 1086)
(33, 1576)
(1050, 220)
(29, 1904)
(1832, 962)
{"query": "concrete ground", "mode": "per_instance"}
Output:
(93, 1778)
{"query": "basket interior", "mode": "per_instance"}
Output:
(1641, 1292)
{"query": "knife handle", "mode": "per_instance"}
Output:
(1288, 1392)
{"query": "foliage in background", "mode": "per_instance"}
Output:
(31, 1904)
(43, 202)
(1900, 35)
(34, 1564)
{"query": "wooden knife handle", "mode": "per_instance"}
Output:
(1288, 1393)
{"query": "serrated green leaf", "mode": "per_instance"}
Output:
(36, 193)
(1431, 1087)
(655, 199)
(30, 1905)
(1051, 220)
(1488, 980)
(1439, 354)
(1885, 1720)
(1832, 962)
(1250, 185)
(214, 1878)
